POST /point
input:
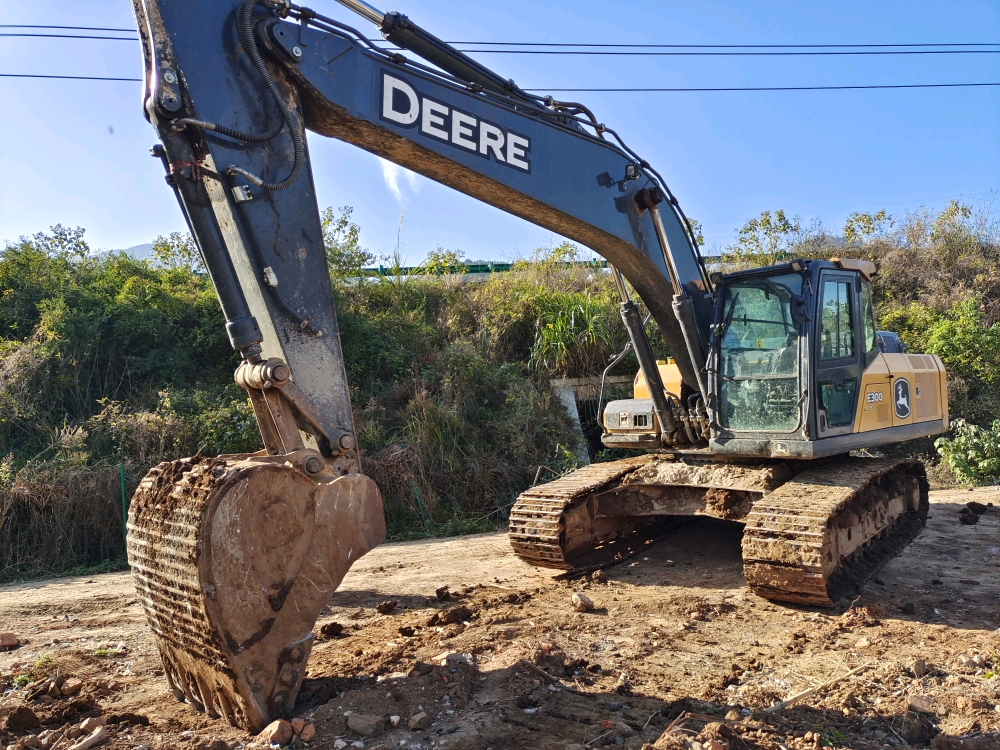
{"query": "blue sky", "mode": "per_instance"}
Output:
(76, 152)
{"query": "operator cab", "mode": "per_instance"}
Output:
(797, 369)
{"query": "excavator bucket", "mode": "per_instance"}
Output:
(233, 559)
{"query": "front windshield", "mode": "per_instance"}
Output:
(759, 357)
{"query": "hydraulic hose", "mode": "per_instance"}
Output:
(244, 29)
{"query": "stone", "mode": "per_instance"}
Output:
(72, 686)
(358, 744)
(308, 732)
(93, 739)
(921, 704)
(91, 723)
(297, 724)
(862, 643)
(339, 745)
(969, 519)
(450, 658)
(22, 719)
(365, 724)
(919, 668)
(599, 576)
(394, 720)
(384, 608)
(419, 721)
(575, 746)
(967, 703)
(278, 732)
(581, 602)
(977, 508)
(331, 630)
(8, 640)
(461, 613)
(911, 727)
(714, 745)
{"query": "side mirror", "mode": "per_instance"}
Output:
(799, 311)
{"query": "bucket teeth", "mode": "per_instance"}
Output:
(233, 559)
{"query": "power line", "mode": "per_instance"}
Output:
(76, 28)
(68, 78)
(775, 88)
(620, 90)
(726, 46)
(630, 53)
(74, 36)
(825, 53)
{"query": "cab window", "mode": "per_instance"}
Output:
(868, 312)
(837, 337)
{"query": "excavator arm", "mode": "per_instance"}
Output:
(235, 556)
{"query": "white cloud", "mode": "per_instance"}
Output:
(392, 173)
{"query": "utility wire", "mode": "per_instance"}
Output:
(777, 88)
(77, 28)
(67, 78)
(825, 53)
(74, 36)
(620, 53)
(620, 90)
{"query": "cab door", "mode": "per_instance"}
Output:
(838, 354)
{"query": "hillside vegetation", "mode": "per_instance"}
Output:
(109, 365)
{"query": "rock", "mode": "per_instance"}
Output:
(394, 720)
(278, 732)
(339, 745)
(911, 728)
(968, 703)
(331, 630)
(919, 668)
(442, 593)
(460, 613)
(365, 724)
(977, 508)
(623, 686)
(8, 640)
(72, 686)
(419, 721)
(358, 744)
(308, 732)
(969, 519)
(297, 725)
(53, 691)
(921, 704)
(22, 719)
(575, 746)
(908, 608)
(32, 741)
(581, 602)
(384, 608)
(407, 631)
(599, 576)
(862, 643)
(450, 658)
(715, 745)
(93, 739)
(92, 723)
(74, 732)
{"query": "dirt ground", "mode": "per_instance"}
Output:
(675, 642)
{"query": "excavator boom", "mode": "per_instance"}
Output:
(234, 557)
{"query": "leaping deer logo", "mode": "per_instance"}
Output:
(901, 393)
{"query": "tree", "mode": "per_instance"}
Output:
(764, 240)
(441, 262)
(178, 250)
(861, 227)
(342, 242)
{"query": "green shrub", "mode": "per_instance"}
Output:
(973, 453)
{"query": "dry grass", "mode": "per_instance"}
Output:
(62, 517)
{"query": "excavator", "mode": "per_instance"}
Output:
(777, 395)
